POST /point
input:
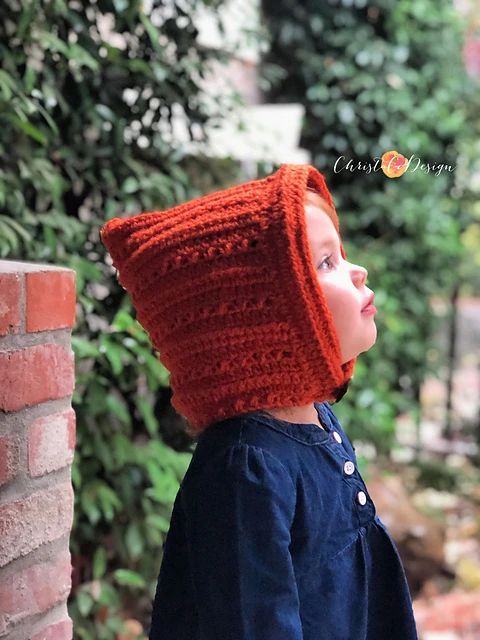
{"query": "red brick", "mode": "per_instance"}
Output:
(10, 296)
(50, 443)
(50, 300)
(9, 458)
(72, 431)
(62, 630)
(35, 589)
(35, 374)
(34, 520)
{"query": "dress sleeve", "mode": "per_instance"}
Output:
(238, 517)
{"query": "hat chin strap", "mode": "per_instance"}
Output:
(341, 391)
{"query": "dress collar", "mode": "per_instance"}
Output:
(309, 433)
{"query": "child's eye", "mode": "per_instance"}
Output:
(327, 259)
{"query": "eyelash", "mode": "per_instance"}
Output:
(324, 260)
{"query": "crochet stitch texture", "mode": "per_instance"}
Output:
(226, 288)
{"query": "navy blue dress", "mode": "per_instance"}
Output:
(274, 536)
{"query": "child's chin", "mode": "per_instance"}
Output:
(373, 338)
(367, 343)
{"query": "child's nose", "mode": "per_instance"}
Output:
(359, 273)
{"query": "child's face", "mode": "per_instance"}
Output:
(343, 284)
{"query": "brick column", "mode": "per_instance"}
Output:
(37, 441)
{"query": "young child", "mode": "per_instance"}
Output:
(248, 297)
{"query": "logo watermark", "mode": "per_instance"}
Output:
(392, 163)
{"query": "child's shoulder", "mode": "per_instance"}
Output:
(239, 445)
(238, 468)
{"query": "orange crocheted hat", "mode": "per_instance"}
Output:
(226, 288)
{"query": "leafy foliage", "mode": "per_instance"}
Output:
(377, 76)
(88, 91)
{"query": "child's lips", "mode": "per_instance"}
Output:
(369, 302)
(369, 309)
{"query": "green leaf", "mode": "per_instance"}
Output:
(88, 269)
(75, 471)
(134, 540)
(122, 449)
(29, 129)
(165, 485)
(157, 372)
(82, 57)
(118, 406)
(120, 5)
(50, 41)
(109, 500)
(84, 348)
(113, 352)
(50, 121)
(105, 112)
(122, 321)
(130, 185)
(7, 85)
(99, 564)
(154, 368)
(89, 506)
(104, 454)
(95, 401)
(84, 602)
(152, 32)
(16, 226)
(157, 521)
(145, 407)
(8, 234)
(129, 578)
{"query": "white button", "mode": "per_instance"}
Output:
(362, 498)
(337, 436)
(349, 467)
